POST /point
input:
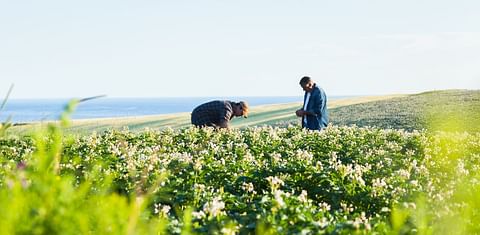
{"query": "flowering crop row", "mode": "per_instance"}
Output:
(282, 180)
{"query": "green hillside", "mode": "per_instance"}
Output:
(446, 110)
(436, 110)
(277, 114)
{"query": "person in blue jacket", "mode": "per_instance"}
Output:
(314, 113)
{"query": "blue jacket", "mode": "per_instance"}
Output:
(317, 105)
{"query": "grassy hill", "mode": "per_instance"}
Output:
(276, 114)
(435, 110)
(446, 110)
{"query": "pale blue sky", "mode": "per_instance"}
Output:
(52, 49)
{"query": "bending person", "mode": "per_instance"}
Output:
(218, 113)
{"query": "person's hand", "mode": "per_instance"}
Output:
(299, 113)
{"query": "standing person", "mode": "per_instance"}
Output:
(218, 113)
(314, 113)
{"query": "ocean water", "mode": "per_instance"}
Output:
(31, 110)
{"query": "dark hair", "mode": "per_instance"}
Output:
(305, 80)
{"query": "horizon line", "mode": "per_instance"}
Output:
(104, 96)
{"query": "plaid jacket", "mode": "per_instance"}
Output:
(212, 113)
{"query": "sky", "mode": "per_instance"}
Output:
(153, 48)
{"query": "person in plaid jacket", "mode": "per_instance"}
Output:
(218, 113)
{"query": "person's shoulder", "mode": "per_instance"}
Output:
(214, 103)
(228, 104)
(318, 89)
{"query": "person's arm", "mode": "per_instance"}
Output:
(317, 101)
(311, 112)
(299, 113)
(223, 124)
(224, 119)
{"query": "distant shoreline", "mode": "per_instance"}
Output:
(27, 111)
(389, 111)
(259, 114)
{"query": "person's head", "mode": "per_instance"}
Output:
(240, 109)
(307, 84)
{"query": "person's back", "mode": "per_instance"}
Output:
(323, 118)
(218, 113)
(212, 113)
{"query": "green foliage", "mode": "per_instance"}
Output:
(37, 197)
(258, 180)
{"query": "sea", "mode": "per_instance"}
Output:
(34, 110)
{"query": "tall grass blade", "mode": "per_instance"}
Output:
(4, 102)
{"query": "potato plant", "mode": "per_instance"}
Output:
(257, 180)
